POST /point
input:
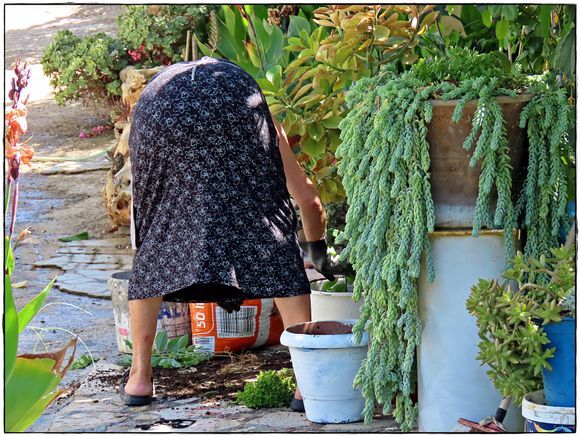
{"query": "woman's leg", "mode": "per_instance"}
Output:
(294, 310)
(143, 314)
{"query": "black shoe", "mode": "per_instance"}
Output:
(133, 400)
(297, 405)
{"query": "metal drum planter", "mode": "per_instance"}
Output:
(451, 382)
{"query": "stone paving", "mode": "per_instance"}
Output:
(77, 167)
(88, 264)
(95, 407)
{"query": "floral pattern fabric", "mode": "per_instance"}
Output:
(211, 208)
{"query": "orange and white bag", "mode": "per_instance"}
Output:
(214, 330)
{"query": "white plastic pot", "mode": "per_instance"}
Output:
(452, 383)
(326, 360)
(547, 419)
(325, 305)
(172, 317)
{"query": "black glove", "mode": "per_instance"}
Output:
(230, 305)
(324, 264)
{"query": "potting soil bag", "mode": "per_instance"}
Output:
(257, 323)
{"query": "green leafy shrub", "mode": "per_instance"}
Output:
(510, 321)
(83, 361)
(271, 389)
(156, 34)
(460, 64)
(170, 353)
(85, 69)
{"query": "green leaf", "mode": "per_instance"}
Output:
(316, 131)
(205, 50)
(155, 360)
(78, 237)
(313, 148)
(502, 28)
(331, 122)
(182, 342)
(174, 363)
(229, 46)
(469, 15)
(295, 41)
(28, 392)
(274, 53)
(297, 24)
(253, 54)
(545, 20)
(31, 308)
(259, 11)
(451, 24)
(172, 345)
(9, 254)
(274, 75)
(11, 329)
(234, 22)
(509, 12)
(82, 362)
(262, 34)
(486, 17)
(161, 341)
(565, 57)
(125, 360)
(495, 11)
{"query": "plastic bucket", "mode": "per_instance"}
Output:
(541, 418)
(173, 317)
(328, 306)
(326, 360)
(452, 383)
(560, 383)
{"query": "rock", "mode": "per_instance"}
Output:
(275, 419)
(91, 250)
(68, 261)
(76, 167)
(101, 243)
(89, 283)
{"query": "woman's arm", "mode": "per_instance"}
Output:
(302, 191)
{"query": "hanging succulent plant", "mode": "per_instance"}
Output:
(385, 166)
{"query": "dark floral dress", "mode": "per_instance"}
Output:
(212, 215)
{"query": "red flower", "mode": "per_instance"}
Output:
(16, 124)
(17, 155)
(20, 152)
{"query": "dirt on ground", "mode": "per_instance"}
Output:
(217, 379)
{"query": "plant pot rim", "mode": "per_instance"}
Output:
(331, 294)
(521, 98)
(322, 341)
(534, 408)
(316, 286)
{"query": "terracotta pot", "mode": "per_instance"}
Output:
(454, 183)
